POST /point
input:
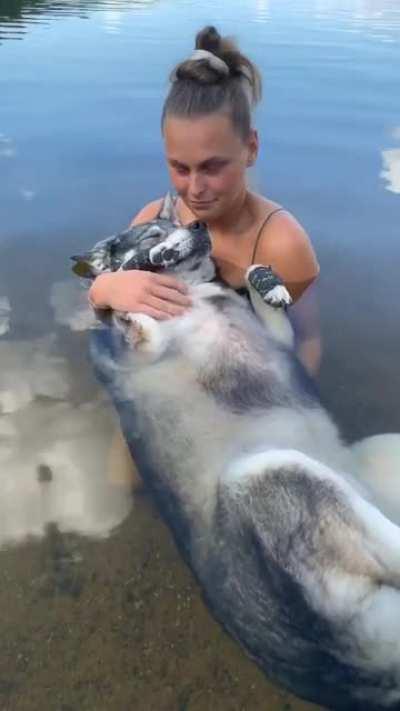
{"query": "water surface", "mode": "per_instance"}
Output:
(100, 621)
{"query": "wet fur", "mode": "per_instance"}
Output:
(241, 459)
(251, 476)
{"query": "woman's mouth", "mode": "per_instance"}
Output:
(201, 204)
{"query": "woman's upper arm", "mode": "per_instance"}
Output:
(286, 247)
(147, 213)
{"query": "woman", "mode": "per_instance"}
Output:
(209, 144)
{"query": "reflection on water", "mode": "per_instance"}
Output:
(379, 19)
(70, 306)
(262, 10)
(391, 165)
(7, 148)
(17, 16)
(5, 309)
(41, 431)
(30, 370)
(119, 618)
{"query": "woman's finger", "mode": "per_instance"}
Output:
(154, 313)
(166, 307)
(170, 281)
(173, 295)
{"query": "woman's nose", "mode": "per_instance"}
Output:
(196, 185)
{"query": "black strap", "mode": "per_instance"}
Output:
(278, 209)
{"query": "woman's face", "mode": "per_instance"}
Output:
(207, 162)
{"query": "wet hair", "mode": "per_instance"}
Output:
(218, 80)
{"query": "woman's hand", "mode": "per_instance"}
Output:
(160, 296)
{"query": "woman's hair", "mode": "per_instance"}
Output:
(217, 78)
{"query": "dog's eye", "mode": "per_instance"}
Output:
(198, 226)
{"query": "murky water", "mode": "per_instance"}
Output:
(98, 611)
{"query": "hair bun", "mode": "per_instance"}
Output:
(209, 38)
(217, 76)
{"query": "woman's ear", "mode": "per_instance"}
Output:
(252, 147)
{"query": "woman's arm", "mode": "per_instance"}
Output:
(158, 295)
(286, 247)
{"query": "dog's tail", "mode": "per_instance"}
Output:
(377, 464)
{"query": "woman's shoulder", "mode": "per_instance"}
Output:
(279, 228)
(148, 212)
(285, 245)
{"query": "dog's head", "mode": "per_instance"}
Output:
(186, 251)
(153, 246)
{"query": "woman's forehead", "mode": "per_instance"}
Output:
(201, 137)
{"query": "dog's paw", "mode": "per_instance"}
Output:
(278, 297)
(268, 285)
(146, 336)
(137, 328)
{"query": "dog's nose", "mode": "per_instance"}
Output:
(199, 226)
(169, 255)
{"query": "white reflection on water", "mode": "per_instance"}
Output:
(70, 305)
(7, 147)
(112, 21)
(56, 456)
(391, 167)
(359, 9)
(379, 19)
(5, 315)
(28, 194)
(262, 10)
(29, 370)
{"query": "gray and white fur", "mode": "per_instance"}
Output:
(250, 473)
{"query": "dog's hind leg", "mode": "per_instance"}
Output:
(295, 474)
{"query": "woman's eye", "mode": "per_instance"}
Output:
(181, 170)
(213, 168)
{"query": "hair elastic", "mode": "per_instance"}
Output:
(215, 62)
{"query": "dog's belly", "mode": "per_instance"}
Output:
(193, 438)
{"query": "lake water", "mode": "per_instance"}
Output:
(98, 611)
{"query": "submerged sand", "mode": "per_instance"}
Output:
(118, 624)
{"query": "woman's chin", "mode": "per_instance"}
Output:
(205, 211)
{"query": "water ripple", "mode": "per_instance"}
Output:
(17, 16)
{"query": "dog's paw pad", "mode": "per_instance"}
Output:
(136, 327)
(137, 333)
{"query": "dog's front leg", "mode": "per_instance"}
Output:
(148, 337)
(270, 298)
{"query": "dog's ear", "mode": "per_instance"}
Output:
(84, 265)
(168, 210)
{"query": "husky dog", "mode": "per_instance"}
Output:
(249, 472)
